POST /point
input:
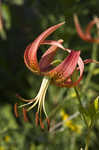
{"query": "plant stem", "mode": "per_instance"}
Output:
(80, 103)
(87, 139)
(91, 67)
(88, 127)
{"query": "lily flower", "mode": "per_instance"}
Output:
(86, 36)
(60, 75)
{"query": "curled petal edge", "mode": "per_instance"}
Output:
(48, 56)
(69, 83)
(66, 68)
(32, 53)
(86, 35)
(53, 47)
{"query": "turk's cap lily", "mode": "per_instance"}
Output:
(60, 75)
(86, 36)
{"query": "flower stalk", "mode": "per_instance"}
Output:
(88, 139)
(80, 103)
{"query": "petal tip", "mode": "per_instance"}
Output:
(61, 41)
(63, 22)
(75, 18)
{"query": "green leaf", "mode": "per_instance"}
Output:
(92, 112)
(6, 15)
(96, 104)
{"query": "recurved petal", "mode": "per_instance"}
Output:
(86, 35)
(91, 24)
(69, 83)
(44, 60)
(86, 61)
(48, 56)
(78, 28)
(32, 52)
(53, 43)
(27, 61)
(66, 68)
(88, 29)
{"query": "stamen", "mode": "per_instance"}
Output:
(25, 115)
(16, 110)
(44, 108)
(40, 105)
(25, 104)
(22, 99)
(36, 119)
(36, 99)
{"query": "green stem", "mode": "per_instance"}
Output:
(87, 139)
(91, 67)
(80, 103)
(89, 128)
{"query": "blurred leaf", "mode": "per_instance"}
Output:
(6, 15)
(91, 112)
(3, 34)
(16, 2)
(96, 71)
(96, 104)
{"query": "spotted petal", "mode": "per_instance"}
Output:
(66, 68)
(69, 83)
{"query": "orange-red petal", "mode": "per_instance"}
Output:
(86, 35)
(78, 28)
(31, 51)
(69, 83)
(66, 68)
(48, 56)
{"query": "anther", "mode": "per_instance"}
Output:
(41, 124)
(16, 109)
(48, 123)
(25, 115)
(36, 119)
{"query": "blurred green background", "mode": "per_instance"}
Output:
(21, 21)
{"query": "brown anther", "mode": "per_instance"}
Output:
(25, 114)
(41, 124)
(36, 119)
(16, 109)
(48, 123)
